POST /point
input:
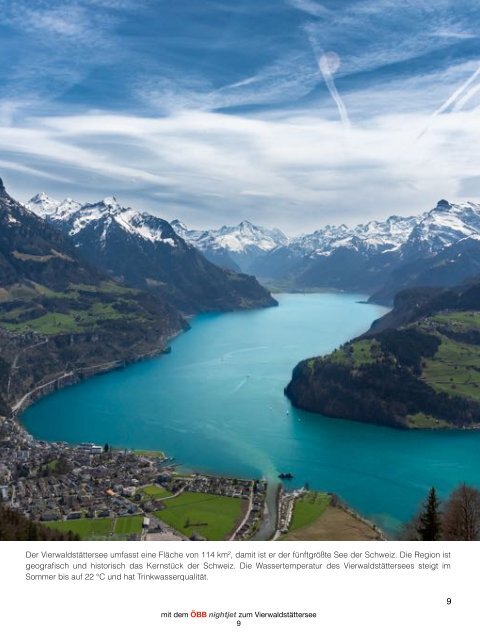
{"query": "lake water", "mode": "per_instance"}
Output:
(216, 403)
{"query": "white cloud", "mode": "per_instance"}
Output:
(56, 44)
(61, 21)
(371, 34)
(298, 173)
(17, 167)
(291, 77)
(72, 21)
(455, 35)
(292, 168)
(311, 7)
(116, 4)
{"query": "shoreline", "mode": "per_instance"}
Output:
(75, 376)
(72, 377)
(286, 506)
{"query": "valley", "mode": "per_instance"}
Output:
(122, 284)
(216, 404)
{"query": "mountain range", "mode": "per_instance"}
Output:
(440, 247)
(144, 251)
(96, 283)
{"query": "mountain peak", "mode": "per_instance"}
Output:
(443, 205)
(41, 196)
(3, 193)
(110, 202)
(178, 224)
(42, 204)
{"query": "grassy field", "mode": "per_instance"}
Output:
(49, 466)
(100, 528)
(339, 356)
(425, 421)
(355, 354)
(459, 319)
(86, 528)
(212, 517)
(149, 454)
(334, 524)
(308, 508)
(455, 369)
(76, 321)
(155, 492)
(128, 525)
(87, 316)
(362, 352)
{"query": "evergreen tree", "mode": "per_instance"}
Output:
(429, 524)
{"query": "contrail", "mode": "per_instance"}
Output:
(451, 100)
(326, 71)
(328, 63)
(465, 98)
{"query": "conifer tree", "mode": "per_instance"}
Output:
(429, 523)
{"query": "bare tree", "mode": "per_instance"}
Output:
(461, 514)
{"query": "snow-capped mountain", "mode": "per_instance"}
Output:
(442, 250)
(42, 204)
(378, 257)
(45, 206)
(370, 237)
(337, 256)
(443, 226)
(381, 256)
(143, 251)
(74, 218)
(450, 267)
(234, 247)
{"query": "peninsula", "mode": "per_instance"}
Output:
(417, 367)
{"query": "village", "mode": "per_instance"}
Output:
(105, 493)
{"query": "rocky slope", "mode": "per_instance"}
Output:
(417, 368)
(144, 251)
(449, 267)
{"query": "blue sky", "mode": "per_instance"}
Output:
(292, 113)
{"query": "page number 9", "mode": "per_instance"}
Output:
(449, 601)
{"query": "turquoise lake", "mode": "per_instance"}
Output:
(216, 404)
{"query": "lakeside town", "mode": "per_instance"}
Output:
(99, 493)
(52, 482)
